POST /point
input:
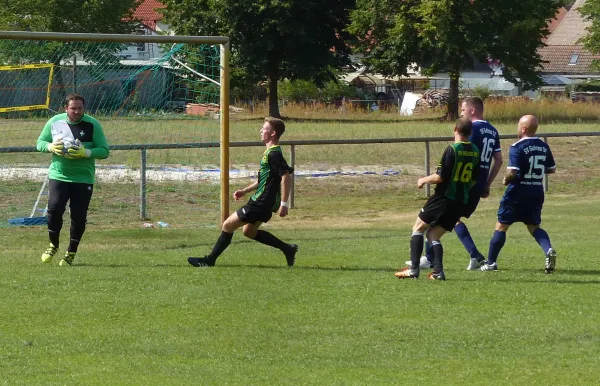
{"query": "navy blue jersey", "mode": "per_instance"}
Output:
(486, 138)
(531, 158)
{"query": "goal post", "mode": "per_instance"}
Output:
(178, 70)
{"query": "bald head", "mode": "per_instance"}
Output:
(528, 125)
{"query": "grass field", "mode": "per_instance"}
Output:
(132, 311)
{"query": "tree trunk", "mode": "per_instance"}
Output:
(452, 111)
(273, 100)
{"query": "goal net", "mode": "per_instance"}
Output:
(159, 100)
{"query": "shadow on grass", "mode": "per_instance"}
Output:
(185, 264)
(295, 240)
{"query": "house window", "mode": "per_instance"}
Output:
(573, 60)
(141, 46)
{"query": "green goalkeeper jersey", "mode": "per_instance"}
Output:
(89, 131)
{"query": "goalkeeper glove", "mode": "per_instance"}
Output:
(56, 147)
(79, 151)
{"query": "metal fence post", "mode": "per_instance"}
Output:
(143, 213)
(293, 165)
(427, 167)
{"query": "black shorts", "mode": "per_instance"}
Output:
(474, 198)
(251, 213)
(442, 211)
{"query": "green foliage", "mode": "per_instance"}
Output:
(591, 11)
(298, 90)
(481, 92)
(99, 16)
(333, 89)
(274, 40)
(304, 91)
(436, 36)
(587, 86)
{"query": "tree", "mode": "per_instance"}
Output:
(271, 39)
(449, 35)
(99, 16)
(591, 11)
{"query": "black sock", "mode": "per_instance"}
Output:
(222, 243)
(54, 237)
(438, 257)
(73, 244)
(267, 238)
(416, 249)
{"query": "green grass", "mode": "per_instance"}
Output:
(131, 311)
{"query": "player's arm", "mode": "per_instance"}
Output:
(241, 192)
(286, 187)
(443, 172)
(550, 161)
(509, 176)
(496, 165)
(430, 179)
(45, 144)
(100, 148)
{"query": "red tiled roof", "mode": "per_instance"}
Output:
(558, 18)
(147, 14)
(571, 28)
(559, 56)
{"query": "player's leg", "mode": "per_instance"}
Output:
(426, 261)
(58, 195)
(80, 196)
(434, 235)
(416, 249)
(496, 244)
(542, 238)
(476, 259)
(232, 223)
(289, 250)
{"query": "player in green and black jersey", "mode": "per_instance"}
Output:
(274, 175)
(455, 176)
(71, 175)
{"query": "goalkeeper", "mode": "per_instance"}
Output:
(75, 140)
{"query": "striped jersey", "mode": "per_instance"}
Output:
(272, 167)
(459, 169)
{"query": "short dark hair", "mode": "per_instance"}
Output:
(277, 125)
(464, 127)
(74, 97)
(475, 102)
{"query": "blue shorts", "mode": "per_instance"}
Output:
(528, 211)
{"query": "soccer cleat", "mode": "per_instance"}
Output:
(68, 259)
(49, 253)
(201, 261)
(290, 255)
(476, 263)
(423, 263)
(489, 267)
(436, 276)
(407, 273)
(550, 261)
